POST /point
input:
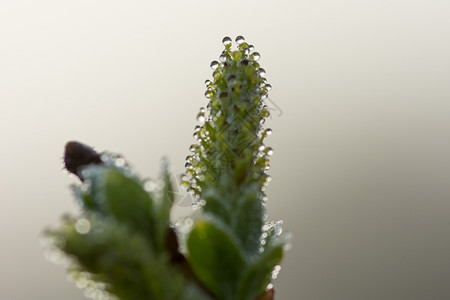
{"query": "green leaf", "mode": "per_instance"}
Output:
(247, 222)
(217, 205)
(215, 259)
(162, 209)
(128, 202)
(120, 257)
(258, 275)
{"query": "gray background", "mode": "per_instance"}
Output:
(361, 168)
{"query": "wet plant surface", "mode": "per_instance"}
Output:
(123, 245)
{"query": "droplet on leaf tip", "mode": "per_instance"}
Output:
(226, 41)
(240, 39)
(214, 65)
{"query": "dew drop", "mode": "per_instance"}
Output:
(202, 110)
(278, 227)
(255, 56)
(208, 94)
(265, 113)
(120, 162)
(261, 72)
(207, 82)
(188, 222)
(201, 119)
(240, 39)
(268, 131)
(214, 65)
(268, 87)
(149, 186)
(226, 41)
(251, 47)
(269, 151)
(82, 226)
(222, 58)
(81, 283)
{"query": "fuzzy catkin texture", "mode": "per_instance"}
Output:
(230, 135)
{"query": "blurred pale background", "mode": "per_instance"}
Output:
(361, 170)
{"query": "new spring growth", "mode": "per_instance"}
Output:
(230, 131)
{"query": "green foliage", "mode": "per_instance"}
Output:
(123, 243)
(211, 253)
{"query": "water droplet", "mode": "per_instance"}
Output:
(222, 58)
(208, 94)
(201, 119)
(267, 167)
(268, 131)
(265, 113)
(226, 41)
(269, 151)
(251, 47)
(269, 286)
(120, 162)
(207, 82)
(240, 39)
(188, 222)
(268, 87)
(261, 72)
(202, 110)
(214, 65)
(255, 56)
(82, 226)
(263, 96)
(278, 227)
(81, 283)
(149, 186)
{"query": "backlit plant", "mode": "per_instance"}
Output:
(123, 244)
